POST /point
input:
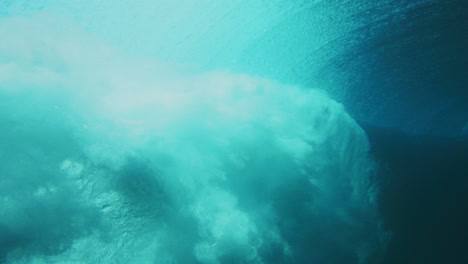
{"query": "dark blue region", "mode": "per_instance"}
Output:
(424, 196)
(408, 85)
(404, 68)
(407, 82)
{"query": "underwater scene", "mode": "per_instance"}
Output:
(233, 132)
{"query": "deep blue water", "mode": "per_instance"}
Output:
(423, 197)
(163, 132)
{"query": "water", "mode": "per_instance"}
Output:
(224, 131)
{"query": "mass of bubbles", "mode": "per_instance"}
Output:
(110, 159)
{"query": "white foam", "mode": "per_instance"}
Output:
(167, 166)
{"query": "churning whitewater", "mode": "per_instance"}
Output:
(112, 159)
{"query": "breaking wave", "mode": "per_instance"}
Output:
(111, 159)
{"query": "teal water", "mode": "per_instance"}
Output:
(170, 132)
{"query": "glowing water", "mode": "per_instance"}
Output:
(108, 158)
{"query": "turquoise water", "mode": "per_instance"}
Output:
(185, 131)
